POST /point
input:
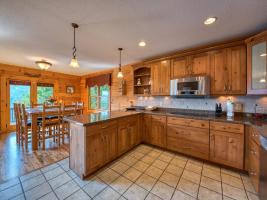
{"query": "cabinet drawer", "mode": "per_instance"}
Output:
(188, 122)
(187, 147)
(91, 130)
(159, 118)
(126, 120)
(229, 127)
(189, 133)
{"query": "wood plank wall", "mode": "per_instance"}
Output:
(60, 81)
(118, 102)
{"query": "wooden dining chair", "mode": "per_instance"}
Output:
(25, 126)
(50, 124)
(18, 123)
(67, 110)
(79, 107)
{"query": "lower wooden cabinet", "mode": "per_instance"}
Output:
(227, 148)
(128, 133)
(157, 135)
(254, 159)
(101, 144)
(146, 128)
(188, 136)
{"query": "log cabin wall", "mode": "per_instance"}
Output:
(59, 80)
(118, 101)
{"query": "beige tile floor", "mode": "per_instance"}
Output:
(143, 173)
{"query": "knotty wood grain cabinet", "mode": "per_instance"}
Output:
(128, 133)
(227, 144)
(228, 71)
(157, 135)
(146, 133)
(188, 136)
(160, 76)
(197, 64)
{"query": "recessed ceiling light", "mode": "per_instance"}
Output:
(142, 44)
(210, 20)
(263, 54)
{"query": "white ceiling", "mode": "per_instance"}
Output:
(35, 29)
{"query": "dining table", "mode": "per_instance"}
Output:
(36, 113)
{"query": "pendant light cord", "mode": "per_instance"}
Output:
(120, 49)
(74, 44)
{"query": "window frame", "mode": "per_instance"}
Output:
(98, 97)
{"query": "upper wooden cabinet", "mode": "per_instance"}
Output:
(228, 71)
(160, 76)
(198, 64)
(257, 64)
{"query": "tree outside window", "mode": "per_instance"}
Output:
(43, 93)
(99, 97)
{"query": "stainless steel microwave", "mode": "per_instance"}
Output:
(190, 86)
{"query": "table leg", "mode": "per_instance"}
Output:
(34, 133)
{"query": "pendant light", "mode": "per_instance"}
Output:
(44, 65)
(74, 62)
(120, 74)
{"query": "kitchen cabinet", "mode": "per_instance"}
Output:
(227, 144)
(101, 143)
(179, 67)
(128, 133)
(146, 128)
(188, 136)
(228, 71)
(257, 64)
(254, 158)
(197, 64)
(160, 76)
(157, 135)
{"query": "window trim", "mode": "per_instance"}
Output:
(98, 98)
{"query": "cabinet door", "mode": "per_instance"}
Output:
(179, 67)
(110, 135)
(146, 128)
(155, 77)
(95, 151)
(236, 63)
(158, 131)
(227, 148)
(123, 138)
(133, 132)
(165, 77)
(257, 66)
(219, 73)
(200, 64)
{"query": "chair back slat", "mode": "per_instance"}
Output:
(69, 110)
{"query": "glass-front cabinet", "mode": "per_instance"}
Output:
(257, 64)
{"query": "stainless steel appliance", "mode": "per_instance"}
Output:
(190, 86)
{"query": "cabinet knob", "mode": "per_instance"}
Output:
(253, 152)
(230, 140)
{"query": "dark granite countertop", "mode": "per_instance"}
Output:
(92, 118)
(260, 124)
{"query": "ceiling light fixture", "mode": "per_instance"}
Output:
(210, 20)
(262, 80)
(44, 65)
(263, 54)
(74, 62)
(142, 44)
(120, 74)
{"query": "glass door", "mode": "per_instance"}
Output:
(19, 92)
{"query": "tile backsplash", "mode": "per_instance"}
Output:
(247, 102)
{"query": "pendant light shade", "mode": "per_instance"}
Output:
(120, 74)
(74, 62)
(44, 65)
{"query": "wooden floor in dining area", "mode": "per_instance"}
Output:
(16, 161)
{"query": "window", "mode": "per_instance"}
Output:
(99, 97)
(44, 91)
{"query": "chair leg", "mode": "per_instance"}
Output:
(43, 139)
